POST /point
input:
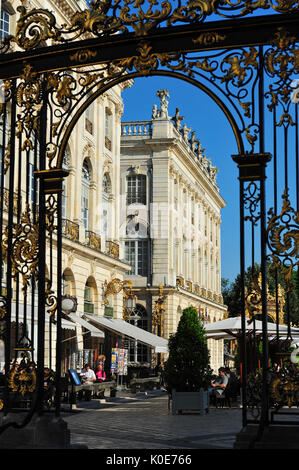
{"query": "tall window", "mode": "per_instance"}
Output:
(176, 194)
(138, 352)
(185, 257)
(4, 24)
(88, 298)
(89, 113)
(136, 189)
(192, 211)
(66, 163)
(108, 129)
(86, 180)
(106, 190)
(136, 254)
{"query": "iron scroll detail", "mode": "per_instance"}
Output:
(107, 17)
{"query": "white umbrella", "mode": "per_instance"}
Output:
(232, 327)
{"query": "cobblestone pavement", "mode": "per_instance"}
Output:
(145, 422)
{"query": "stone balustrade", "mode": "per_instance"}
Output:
(136, 128)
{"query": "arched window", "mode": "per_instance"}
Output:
(138, 352)
(86, 180)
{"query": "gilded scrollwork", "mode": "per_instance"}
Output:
(283, 239)
(107, 17)
(281, 63)
(284, 389)
(114, 287)
(24, 251)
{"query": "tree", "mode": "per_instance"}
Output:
(188, 364)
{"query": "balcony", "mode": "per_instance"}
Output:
(180, 281)
(70, 230)
(93, 240)
(112, 248)
(136, 128)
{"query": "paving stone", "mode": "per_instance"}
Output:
(146, 423)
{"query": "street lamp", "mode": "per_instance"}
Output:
(158, 318)
(158, 313)
(68, 304)
(129, 310)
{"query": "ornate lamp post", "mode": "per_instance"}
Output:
(158, 317)
(129, 309)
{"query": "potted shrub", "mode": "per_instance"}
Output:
(187, 371)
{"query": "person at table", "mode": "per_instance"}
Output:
(100, 374)
(88, 375)
(219, 384)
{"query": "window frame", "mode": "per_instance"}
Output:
(136, 189)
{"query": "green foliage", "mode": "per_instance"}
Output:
(188, 365)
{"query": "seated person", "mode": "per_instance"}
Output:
(100, 374)
(219, 384)
(233, 385)
(88, 375)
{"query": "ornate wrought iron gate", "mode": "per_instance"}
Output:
(243, 54)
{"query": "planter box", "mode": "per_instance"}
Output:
(190, 401)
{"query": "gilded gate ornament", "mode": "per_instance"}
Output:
(283, 239)
(107, 17)
(24, 253)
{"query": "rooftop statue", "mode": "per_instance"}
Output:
(163, 112)
(193, 141)
(177, 119)
(185, 132)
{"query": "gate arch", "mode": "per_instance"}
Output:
(95, 95)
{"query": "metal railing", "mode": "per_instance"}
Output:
(112, 248)
(70, 230)
(93, 240)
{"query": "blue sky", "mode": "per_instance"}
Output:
(216, 136)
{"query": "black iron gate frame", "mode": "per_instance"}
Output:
(245, 63)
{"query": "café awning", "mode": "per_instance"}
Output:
(232, 327)
(95, 332)
(121, 327)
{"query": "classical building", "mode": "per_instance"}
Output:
(170, 222)
(160, 199)
(91, 257)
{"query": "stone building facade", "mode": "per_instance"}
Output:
(90, 252)
(171, 220)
